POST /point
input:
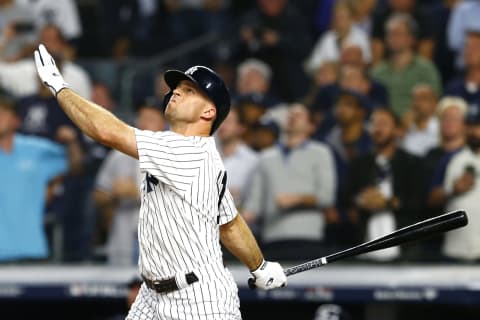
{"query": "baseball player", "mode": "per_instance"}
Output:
(186, 208)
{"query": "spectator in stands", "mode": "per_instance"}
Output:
(276, 33)
(254, 77)
(463, 187)
(251, 109)
(468, 86)
(265, 133)
(63, 14)
(325, 75)
(404, 68)
(291, 189)
(96, 152)
(443, 55)
(102, 96)
(383, 191)
(17, 31)
(85, 231)
(351, 53)
(423, 30)
(451, 112)
(20, 79)
(28, 165)
(41, 115)
(464, 18)
(352, 77)
(79, 211)
(421, 124)
(52, 37)
(363, 17)
(239, 159)
(117, 194)
(349, 138)
(343, 31)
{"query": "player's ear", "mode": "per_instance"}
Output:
(209, 112)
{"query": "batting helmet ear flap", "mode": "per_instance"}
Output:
(166, 99)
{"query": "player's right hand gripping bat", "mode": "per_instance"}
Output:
(414, 232)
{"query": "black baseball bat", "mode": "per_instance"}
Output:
(414, 232)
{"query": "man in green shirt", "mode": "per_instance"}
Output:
(404, 68)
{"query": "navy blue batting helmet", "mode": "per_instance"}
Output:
(209, 82)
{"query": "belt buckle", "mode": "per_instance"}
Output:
(165, 285)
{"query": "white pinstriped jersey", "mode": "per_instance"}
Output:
(183, 180)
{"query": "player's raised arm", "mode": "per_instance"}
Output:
(95, 121)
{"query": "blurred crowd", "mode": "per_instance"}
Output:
(350, 119)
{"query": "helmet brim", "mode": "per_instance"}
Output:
(174, 77)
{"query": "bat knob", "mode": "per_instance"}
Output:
(251, 283)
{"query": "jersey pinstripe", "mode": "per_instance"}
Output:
(182, 207)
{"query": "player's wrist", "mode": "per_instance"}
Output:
(56, 84)
(259, 267)
(65, 86)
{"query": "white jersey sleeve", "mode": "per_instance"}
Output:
(172, 159)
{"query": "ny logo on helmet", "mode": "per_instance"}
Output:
(191, 70)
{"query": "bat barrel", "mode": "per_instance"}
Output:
(414, 232)
(445, 222)
(417, 231)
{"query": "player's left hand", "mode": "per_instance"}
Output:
(48, 71)
(269, 275)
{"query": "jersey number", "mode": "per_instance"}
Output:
(221, 185)
(151, 182)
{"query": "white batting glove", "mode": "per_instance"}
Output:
(48, 71)
(269, 275)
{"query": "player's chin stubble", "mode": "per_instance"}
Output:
(169, 113)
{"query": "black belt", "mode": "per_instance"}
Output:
(168, 285)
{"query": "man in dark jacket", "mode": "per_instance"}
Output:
(384, 187)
